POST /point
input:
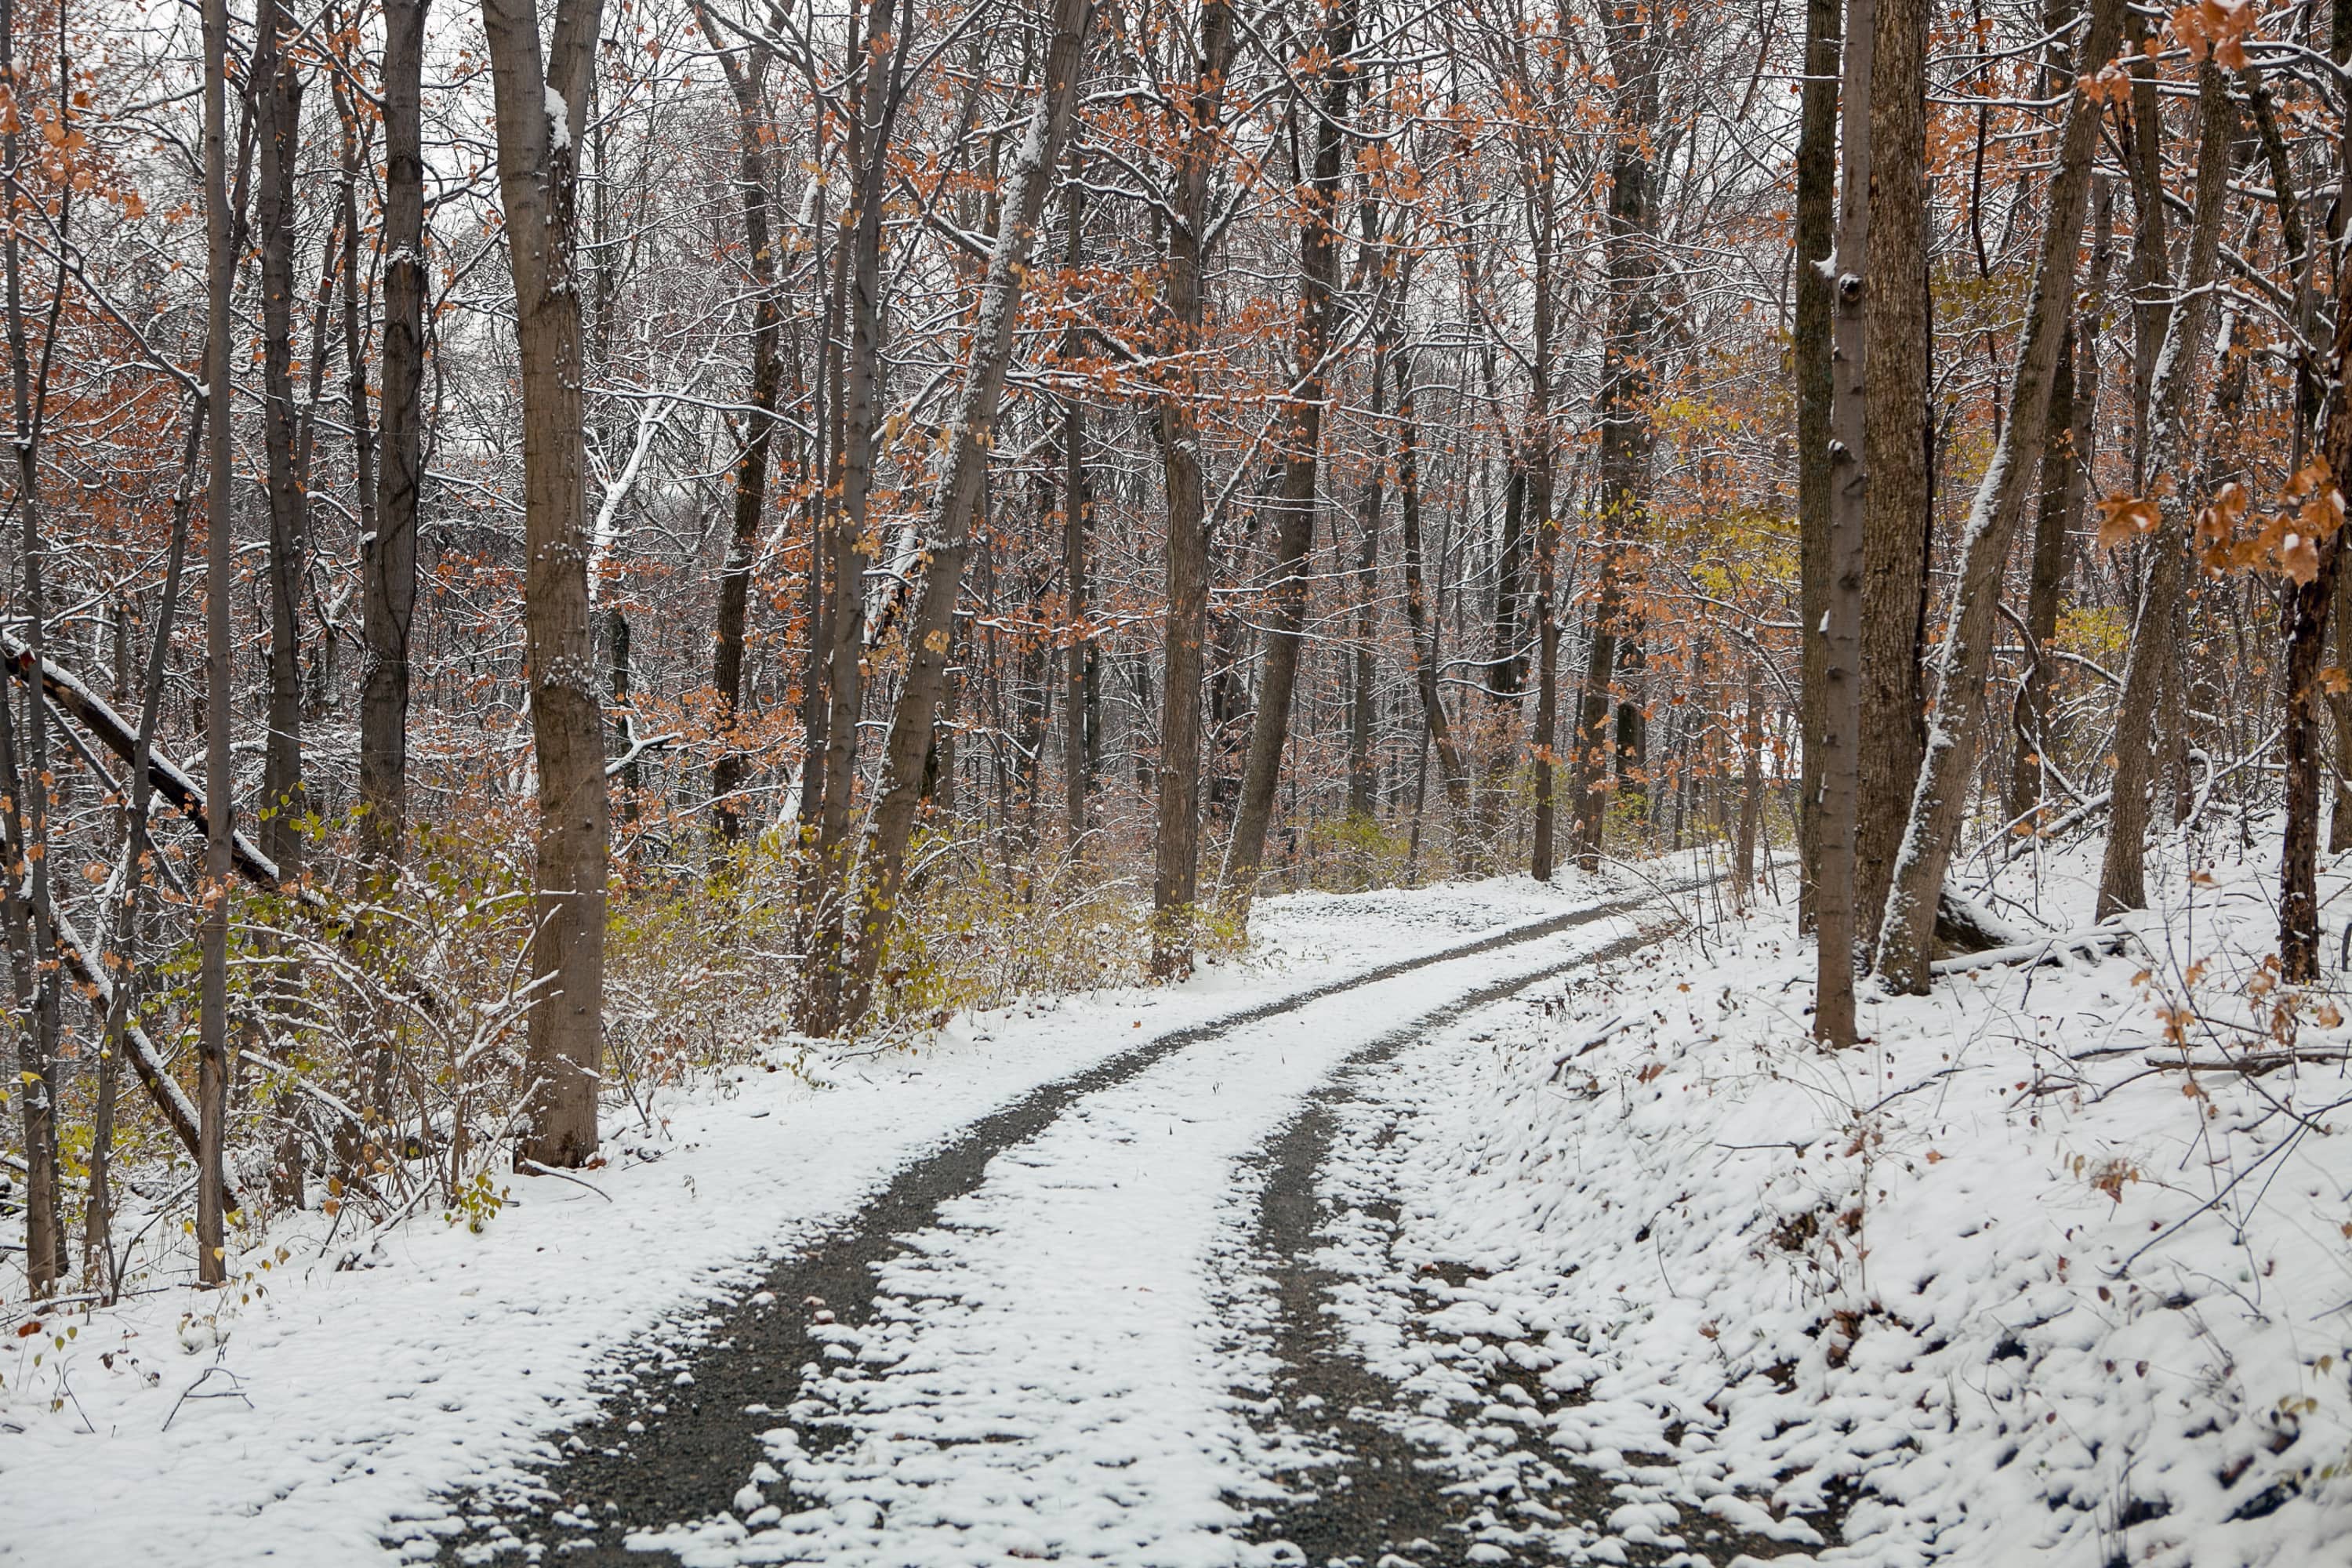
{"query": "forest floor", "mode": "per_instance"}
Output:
(1480, 1222)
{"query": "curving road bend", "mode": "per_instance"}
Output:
(1089, 1328)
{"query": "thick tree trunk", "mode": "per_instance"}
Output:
(388, 555)
(1816, 232)
(1319, 265)
(744, 79)
(1176, 844)
(1964, 658)
(947, 528)
(2121, 879)
(1841, 622)
(1896, 517)
(541, 109)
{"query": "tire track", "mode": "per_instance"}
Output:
(678, 1434)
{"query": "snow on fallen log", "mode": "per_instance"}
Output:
(2094, 944)
(95, 714)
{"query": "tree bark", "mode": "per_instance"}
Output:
(946, 527)
(2121, 879)
(1621, 406)
(1077, 517)
(1176, 844)
(1816, 233)
(278, 88)
(220, 777)
(1940, 801)
(729, 770)
(542, 108)
(388, 555)
(1840, 623)
(1896, 518)
(1319, 265)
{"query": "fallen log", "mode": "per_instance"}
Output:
(92, 711)
(2042, 949)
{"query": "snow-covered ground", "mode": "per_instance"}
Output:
(307, 1414)
(2034, 1275)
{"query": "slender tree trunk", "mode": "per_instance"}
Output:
(1176, 846)
(825, 968)
(543, 106)
(278, 88)
(1841, 622)
(1621, 405)
(1319, 265)
(947, 528)
(1751, 794)
(1077, 516)
(2308, 607)
(744, 82)
(2121, 879)
(220, 777)
(1939, 804)
(1420, 625)
(388, 555)
(29, 783)
(1896, 516)
(1816, 231)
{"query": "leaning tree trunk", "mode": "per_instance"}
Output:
(2122, 884)
(946, 531)
(542, 107)
(388, 556)
(1176, 842)
(1941, 802)
(1318, 262)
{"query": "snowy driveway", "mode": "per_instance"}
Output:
(1044, 1341)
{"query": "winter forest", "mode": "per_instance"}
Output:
(638, 632)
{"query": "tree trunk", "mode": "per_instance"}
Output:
(1077, 516)
(946, 527)
(1176, 844)
(1841, 622)
(1319, 265)
(1420, 625)
(2121, 879)
(1965, 656)
(825, 968)
(278, 88)
(1897, 514)
(727, 773)
(220, 777)
(2307, 611)
(388, 555)
(541, 107)
(1816, 227)
(1621, 406)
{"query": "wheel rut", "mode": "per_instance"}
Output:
(678, 1433)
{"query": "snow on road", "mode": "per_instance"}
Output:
(1052, 1377)
(308, 1413)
